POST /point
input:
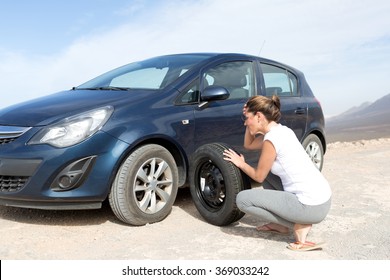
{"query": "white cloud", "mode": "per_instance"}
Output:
(332, 42)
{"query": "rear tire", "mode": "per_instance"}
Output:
(214, 185)
(145, 186)
(313, 147)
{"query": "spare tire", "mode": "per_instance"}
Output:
(215, 183)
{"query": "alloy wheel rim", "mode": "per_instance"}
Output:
(153, 185)
(314, 152)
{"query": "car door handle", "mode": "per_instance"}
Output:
(300, 111)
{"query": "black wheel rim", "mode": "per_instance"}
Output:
(210, 186)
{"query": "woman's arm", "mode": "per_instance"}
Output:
(252, 142)
(267, 158)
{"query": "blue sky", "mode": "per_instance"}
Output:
(343, 46)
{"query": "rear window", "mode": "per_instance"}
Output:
(279, 81)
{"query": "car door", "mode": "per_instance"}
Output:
(284, 83)
(221, 121)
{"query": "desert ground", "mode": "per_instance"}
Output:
(357, 227)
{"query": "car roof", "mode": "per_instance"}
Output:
(215, 55)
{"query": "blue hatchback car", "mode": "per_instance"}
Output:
(138, 133)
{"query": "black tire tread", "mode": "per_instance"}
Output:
(118, 197)
(237, 182)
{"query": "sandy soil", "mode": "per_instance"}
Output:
(357, 227)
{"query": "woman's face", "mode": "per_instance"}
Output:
(250, 121)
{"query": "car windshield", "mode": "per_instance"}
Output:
(154, 73)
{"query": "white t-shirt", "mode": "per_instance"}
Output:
(294, 167)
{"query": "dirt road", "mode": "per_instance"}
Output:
(356, 228)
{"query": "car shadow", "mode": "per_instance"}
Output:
(58, 217)
(244, 227)
(184, 201)
(83, 217)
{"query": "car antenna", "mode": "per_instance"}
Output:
(262, 45)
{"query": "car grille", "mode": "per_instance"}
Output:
(12, 183)
(6, 140)
(9, 134)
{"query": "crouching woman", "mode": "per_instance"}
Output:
(304, 196)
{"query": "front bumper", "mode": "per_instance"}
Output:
(44, 177)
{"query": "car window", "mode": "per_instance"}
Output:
(237, 77)
(154, 73)
(191, 93)
(151, 78)
(279, 81)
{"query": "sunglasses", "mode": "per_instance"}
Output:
(244, 118)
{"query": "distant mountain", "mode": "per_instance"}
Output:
(354, 110)
(367, 121)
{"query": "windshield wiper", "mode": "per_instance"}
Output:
(105, 88)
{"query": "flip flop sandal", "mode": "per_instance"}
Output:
(307, 246)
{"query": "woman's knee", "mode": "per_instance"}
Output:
(243, 199)
(239, 200)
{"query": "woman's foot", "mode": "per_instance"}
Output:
(274, 228)
(301, 231)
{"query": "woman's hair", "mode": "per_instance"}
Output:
(269, 107)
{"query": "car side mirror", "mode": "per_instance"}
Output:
(211, 93)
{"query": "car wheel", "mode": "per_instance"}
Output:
(145, 186)
(313, 147)
(214, 185)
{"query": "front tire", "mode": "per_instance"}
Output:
(214, 185)
(145, 186)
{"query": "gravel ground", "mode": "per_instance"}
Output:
(357, 227)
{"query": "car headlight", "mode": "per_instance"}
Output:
(73, 130)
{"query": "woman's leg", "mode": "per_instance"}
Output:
(268, 205)
(273, 182)
(280, 207)
(283, 209)
(302, 230)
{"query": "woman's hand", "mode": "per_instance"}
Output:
(237, 159)
(244, 109)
